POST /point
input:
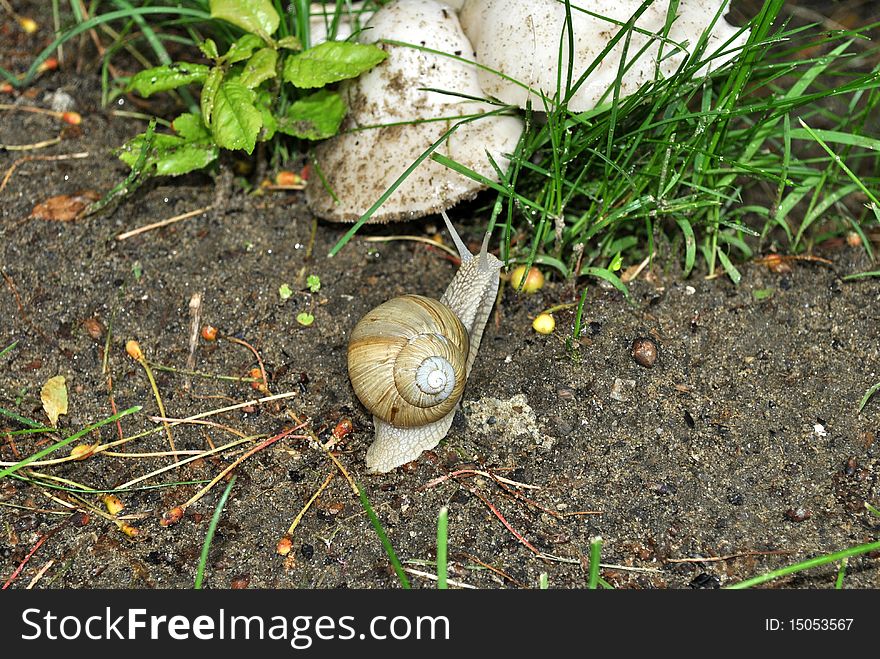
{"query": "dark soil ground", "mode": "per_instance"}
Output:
(740, 451)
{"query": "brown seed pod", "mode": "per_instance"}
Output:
(644, 352)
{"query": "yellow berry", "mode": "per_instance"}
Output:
(534, 279)
(29, 25)
(544, 323)
(134, 350)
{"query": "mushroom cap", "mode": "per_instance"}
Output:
(378, 140)
(520, 38)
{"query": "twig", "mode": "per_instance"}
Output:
(499, 572)
(163, 223)
(39, 575)
(418, 239)
(31, 147)
(328, 452)
(305, 508)
(14, 575)
(172, 516)
(265, 386)
(195, 313)
(433, 577)
(727, 557)
(203, 454)
(486, 474)
(134, 351)
(230, 408)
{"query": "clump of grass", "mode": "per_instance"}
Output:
(771, 152)
(768, 152)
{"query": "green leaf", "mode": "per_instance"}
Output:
(314, 117)
(209, 93)
(305, 318)
(284, 292)
(608, 276)
(209, 49)
(762, 293)
(191, 128)
(256, 16)
(314, 283)
(170, 155)
(729, 268)
(260, 67)
(331, 61)
(235, 121)
(168, 76)
(242, 48)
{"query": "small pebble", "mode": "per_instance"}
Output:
(798, 514)
(307, 551)
(564, 393)
(644, 352)
(619, 391)
(240, 582)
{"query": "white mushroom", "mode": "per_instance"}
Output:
(521, 39)
(378, 140)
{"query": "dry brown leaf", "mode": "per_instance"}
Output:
(64, 208)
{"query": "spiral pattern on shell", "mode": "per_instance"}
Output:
(407, 360)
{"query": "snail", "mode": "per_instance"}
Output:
(409, 358)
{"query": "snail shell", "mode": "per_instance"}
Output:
(407, 360)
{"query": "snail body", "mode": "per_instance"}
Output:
(409, 359)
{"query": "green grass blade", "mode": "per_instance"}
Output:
(807, 565)
(861, 275)
(64, 442)
(99, 20)
(386, 543)
(870, 392)
(442, 537)
(607, 275)
(595, 557)
(841, 573)
(23, 420)
(209, 536)
(8, 349)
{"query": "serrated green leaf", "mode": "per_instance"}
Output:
(168, 76)
(242, 48)
(209, 49)
(256, 16)
(236, 121)
(314, 283)
(170, 155)
(315, 117)
(209, 93)
(260, 67)
(331, 61)
(191, 128)
(284, 292)
(290, 42)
